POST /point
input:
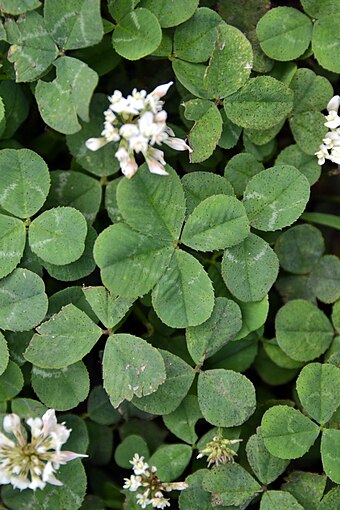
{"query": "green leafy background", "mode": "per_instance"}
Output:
(159, 312)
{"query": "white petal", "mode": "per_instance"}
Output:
(177, 144)
(130, 168)
(161, 116)
(36, 425)
(5, 477)
(11, 423)
(48, 475)
(20, 482)
(155, 154)
(36, 483)
(138, 143)
(128, 130)
(333, 120)
(4, 441)
(60, 435)
(161, 90)
(95, 143)
(334, 159)
(334, 104)
(65, 456)
(335, 155)
(146, 124)
(49, 421)
(122, 154)
(169, 131)
(155, 167)
(116, 96)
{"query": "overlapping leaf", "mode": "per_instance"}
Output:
(131, 367)
(63, 340)
(67, 97)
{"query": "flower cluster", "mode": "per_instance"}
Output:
(32, 463)
(149, 487)
(330, 148)
(218, 451)
(138, 122)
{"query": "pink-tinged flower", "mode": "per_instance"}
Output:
(153, 99)
(127, 162)
(161, 90)
(155, 161)
(30, 463)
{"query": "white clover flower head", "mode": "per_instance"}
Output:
(218, 451)
(330, 147)
(31, 463)
(148, 486)
(138, 123)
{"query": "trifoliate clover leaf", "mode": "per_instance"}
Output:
(32, 48)
(66, 98)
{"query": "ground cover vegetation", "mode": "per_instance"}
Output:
(169, 278)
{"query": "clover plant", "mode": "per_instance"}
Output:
(169, 278)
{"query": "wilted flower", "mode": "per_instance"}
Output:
(330, 148)
(218, 451)
(148, 485)
(138, 122)
(31, 463)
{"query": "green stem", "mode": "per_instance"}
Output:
(141, 316)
